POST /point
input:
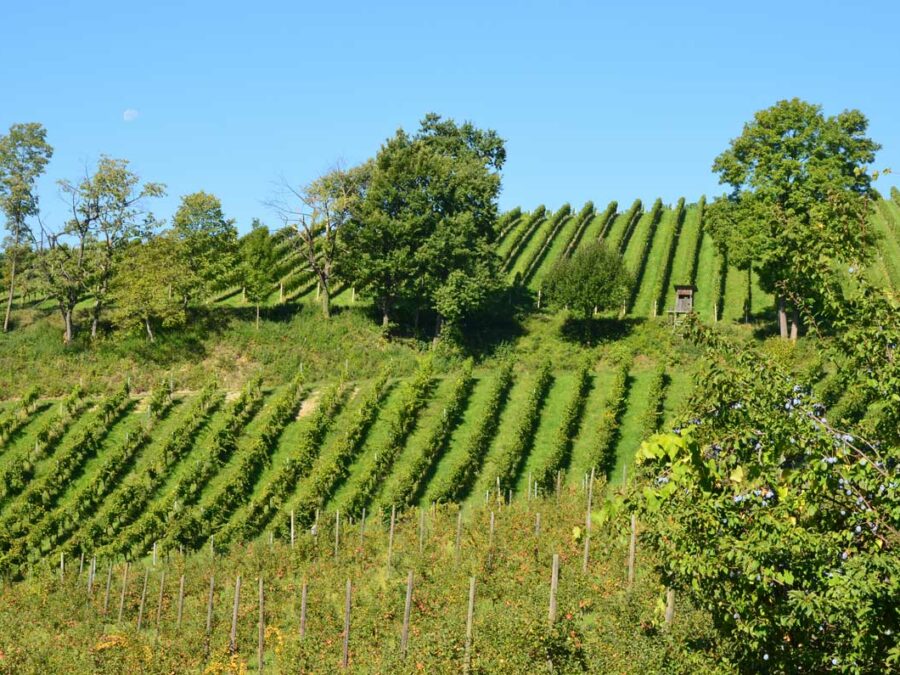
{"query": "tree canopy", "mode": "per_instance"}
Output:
(594, 278)
(208, 243)
(422, 236)
(799, 185)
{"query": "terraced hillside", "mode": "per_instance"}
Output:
(662, 244)
(122, 474)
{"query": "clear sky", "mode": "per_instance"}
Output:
(596, 100)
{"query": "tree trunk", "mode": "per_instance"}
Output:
(70, 331)
(749, 294)
(782, 319)
(12, 287)
(149, 330)
(385, 318)
(257, 316)
(326, 301)
(95, 319)
(795, 324)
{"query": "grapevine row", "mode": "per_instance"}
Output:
(457, 483)
(652, 417)
(413, 398)
(608, 218)
(584, 217)
(17, 418)
(523, 236)
(17, 475)
(556, 222)
(511, 458)
(263, 508)
(41, 495)
(603, 457)
(701, 208)
(62, 521)
(193, 527)
(507, 222)
(129, 500)
(644, 250)
(326, 476)
(631, 220)
(568, 429)
(138, 537)
(411, 483)
(662, 280)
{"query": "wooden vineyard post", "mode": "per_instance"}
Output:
(209, 605)
(143, 601)
(390, 550)
(108, 585)
(262, 626)
(404, 635)
(162, 586)
(345, 660)
(587, 525)
(362, 528)
(528, 496)
(421, 530)
(155, 543)
(670, 606)
(122, 596)
(292, 528)
(303, 598)
(458, 531)
(337, 533)
(62, 566)
(180, 600)
(491, 541)
(470, 615)
(81, 565)
(554, 586)
(632, 544)
(90, 578)
(234, 614)
(558, 485)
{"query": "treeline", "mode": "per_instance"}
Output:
(414, 229)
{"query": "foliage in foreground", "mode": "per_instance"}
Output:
(601, 626)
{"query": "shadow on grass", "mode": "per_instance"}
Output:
(597, 330)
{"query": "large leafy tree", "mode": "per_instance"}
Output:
(778, 515)
(595, 278)
(109, 205)
(144, 283)
(258, 260)
(208, 244)
(422, 236)
(799, 186)
(24, 153)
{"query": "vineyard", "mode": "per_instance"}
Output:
(663, 245)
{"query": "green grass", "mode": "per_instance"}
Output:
(560, 393)
(631, 434)
(656, 260)
(682, 264)
(426, 422)
(707, 280)
(586, 440)
(458, 439)
(735, 295)
(554, 251)
(27, 434)
(617, 230)
(534, 244)
(345, 418)
(374, 443)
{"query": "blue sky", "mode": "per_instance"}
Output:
(596, 100)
